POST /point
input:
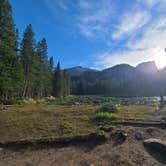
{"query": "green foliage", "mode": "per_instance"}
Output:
(19, 102)
(10, 68)
(156, 105)
(103, 134)
(109, 108)
(105, 116)
(61, 83)
(29, 61)
(37, 70)
(40, 102)
(45, 70)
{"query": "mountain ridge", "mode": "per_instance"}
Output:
(121, 80)
(147, 67)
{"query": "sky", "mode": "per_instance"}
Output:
(97, 33)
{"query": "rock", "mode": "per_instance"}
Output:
(1, 149)
(51, 98)
(3, 108)
(150, 130)
(156, 144)
(29, 101)
(122, 136)
(139, 136)
(76, 103)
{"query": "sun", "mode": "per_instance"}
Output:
(160, 59)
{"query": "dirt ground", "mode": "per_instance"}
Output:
(131, 152)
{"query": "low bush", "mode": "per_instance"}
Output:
(101, 116)
(156, 105)
(40, 102)
(109, 108)
(19, 102)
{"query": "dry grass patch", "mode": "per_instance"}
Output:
(137, 113)
(35, 122)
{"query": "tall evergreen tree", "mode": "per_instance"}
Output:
(51, 61)
(61, 83)
(30, 62)
(45, 69)
(66, 84)
(10, 68)
(57, 82)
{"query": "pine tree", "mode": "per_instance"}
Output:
(30, 62)
(51, 62)
(45, 69)
(66, 84)
(10, 67)
(57, 82)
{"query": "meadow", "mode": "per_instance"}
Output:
(55, 119)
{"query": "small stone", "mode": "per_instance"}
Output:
(139, 136)
(1, 149)
(122, 135)
(76, 103)
(150, 130)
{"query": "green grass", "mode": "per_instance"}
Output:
(137, 113)
(109, 108)
(50, 121)
(105, 116)
(35, 121)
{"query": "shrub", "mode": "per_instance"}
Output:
(101, 116)
(40, 101)
(18, 102)
(109, 108)
(156, 104)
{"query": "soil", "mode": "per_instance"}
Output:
(113, 152)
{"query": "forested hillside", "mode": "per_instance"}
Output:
(25, 69)
(122, 80)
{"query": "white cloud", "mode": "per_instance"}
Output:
(94, 17)
(151, 3)
(85, 4)
(58, 6)
(130, 23)
(146, 40)
(133, 58)
(150, 47)
(140, 31)
(109, 59)
(153, 36)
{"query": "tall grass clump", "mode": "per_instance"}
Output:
(109, 108)
(106, 114)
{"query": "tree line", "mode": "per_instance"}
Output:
(25, 69)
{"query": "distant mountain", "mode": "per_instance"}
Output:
(77, 71)
(147, 67)
(118, 72)
(120, 80)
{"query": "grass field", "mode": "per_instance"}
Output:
(54, 122)
(137, 113)
(34, 121)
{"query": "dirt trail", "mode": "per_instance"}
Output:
(129, 153)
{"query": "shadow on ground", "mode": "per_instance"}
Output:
(86, 143)
(158, 155)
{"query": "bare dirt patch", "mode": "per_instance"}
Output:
(130, 152)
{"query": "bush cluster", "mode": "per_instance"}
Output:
(109, 108)
(106, 114)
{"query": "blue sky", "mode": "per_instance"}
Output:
(97, 33)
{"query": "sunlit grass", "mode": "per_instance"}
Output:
(34, 121)
(136, 113)
(43, 121)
